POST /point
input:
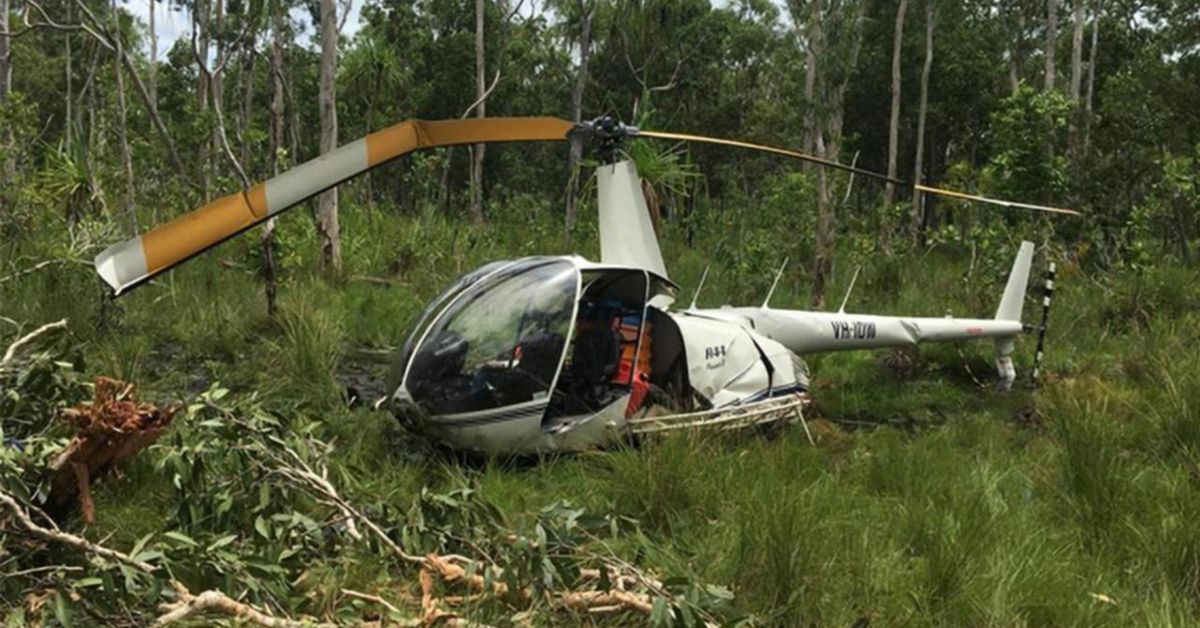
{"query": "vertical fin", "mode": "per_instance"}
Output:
(767, 301)
(1013, 300)
(627, 236)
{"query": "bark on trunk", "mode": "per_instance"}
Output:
(327, 207)
(122, 120)
(1091, 79)
(1051, 42)
(811, 46)
(218, 84)
(894, 125)
(68, 125)
(1016, 54)
(152, 70)
(576, 154)
(478, 151)
(1077, 51)
(823, 253)
(200, 19)
(918, 209)
(6, 139)
(267, 241)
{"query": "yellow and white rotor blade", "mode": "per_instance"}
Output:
(129, 263)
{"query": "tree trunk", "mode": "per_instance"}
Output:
(480, 112)
(152, 70)
(217, 85)
(918, 209)
(122, 122)
(68, 122)
(244, 113)
(894, 126)
(1077, 51)
(810, 79)
(1051, 42)
(327, 207)
(1016, 54)
(6, 138)
(576, 154)
(823, 249)
(1091, 78)
(267, 242)
(202, 24)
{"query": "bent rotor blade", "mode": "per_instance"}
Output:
(859, 171)
(767, 149)
(995, 201)
(132, 262)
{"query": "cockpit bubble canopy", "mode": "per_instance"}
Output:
(498, 343)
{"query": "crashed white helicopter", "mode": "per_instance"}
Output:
(563, 354)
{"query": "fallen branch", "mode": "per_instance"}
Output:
(213, 601)
(68, 539)
(186, 604)
(11, 354)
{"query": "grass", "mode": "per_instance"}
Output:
(944, 504)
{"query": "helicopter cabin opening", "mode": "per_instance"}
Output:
(559, 338)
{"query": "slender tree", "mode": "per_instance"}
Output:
(327, 207)
(152, 69)
(1091, 77)
(918, 209)
(1016, 52)
(122, 121)
(6, 138)
(894, 124)
(478, 151)
(1051, 43)
(267, 241)
(586, 11)
(1077, 50)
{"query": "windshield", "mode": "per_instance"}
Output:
(499, 343)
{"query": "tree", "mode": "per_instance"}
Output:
(6, 138)
(586, 12)
(918, 209)
(894, 125)
(1051, 43)
(1077, 50)
(327, 207)
(478, 150)
(122, 121)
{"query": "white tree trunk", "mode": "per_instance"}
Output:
(586, 11)
(152, 71)
(894, 125)
(918, 210)
(6, 140)
(480, 112)
(1091, 79)
(122, 119)
(1077, 51)
(1051, 42)
(1016, 54)
(327, 208)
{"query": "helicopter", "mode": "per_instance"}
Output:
(560, 353)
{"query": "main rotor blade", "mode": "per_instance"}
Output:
(685, 137)
(995, 201)
(132, 262)
(859, 171)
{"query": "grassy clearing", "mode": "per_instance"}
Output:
(943, 503)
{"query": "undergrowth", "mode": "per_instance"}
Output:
(937, 501)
